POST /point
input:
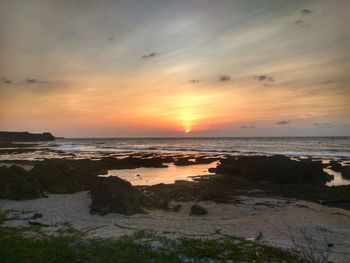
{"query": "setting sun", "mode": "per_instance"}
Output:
(174, 109)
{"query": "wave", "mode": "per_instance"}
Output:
(288, 147)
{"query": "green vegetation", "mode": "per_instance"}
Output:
(31, 244)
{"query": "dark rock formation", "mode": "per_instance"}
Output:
(114, 195)
(197, 210)
(277, 169)
(345, 172)
(58, 177)
(203, 160)
(176, 208)
(54, 176)
(17, 184)
(36, 216)
(273, 176)
(25, 136)
(338, 167)
(183, 161)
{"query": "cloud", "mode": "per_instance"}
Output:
(6, 81)
(266, 80)
(324, 124)
(284, 122)
(248, 127)
(194, 80)
(306, 12)
(35, 81)
(298, 22)
(327, 82)
(224, 78)
(111, 38)
(150, 55)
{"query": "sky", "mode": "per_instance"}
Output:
(115, 68)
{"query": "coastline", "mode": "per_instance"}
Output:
(279, 220)
(245, 206)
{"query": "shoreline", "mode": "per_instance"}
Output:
(275, 218)
(269, 199)
(332, 147)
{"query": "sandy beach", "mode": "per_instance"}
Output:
(279, 220)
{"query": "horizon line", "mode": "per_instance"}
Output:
(201, 137)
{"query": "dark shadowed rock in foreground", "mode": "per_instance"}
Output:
(345, 172)
(18, 184)
(58, 177)
(338, 167)
(183, 161)
(114, 195)
(197, 210)
(277, 169)
(25, 136)
(54, 176)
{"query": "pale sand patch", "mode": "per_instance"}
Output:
(246, 218)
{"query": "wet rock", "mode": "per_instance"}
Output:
(114, 195)
(204, 160)
(198, 210)
(212, 170)
(18, 184)
(277, 169)
(167, 159)
(54, 176)
(36, 223)
(58, 177)
(336, 166)
(345, 172)
(184, 161)
(37, 215)
(176, 208)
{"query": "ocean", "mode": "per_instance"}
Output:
(290, 146)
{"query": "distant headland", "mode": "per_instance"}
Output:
(25, 136)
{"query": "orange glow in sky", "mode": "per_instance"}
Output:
(234, 69)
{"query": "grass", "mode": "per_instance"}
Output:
(70, 245)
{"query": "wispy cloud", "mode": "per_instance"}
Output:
(324, 124)
(248, 126)
(327, 82)
(111, 38)
(224, 78)
(150, 55)
(306, 12)
(264, 79)
(6, 81)
(284, 122)
(35, 81)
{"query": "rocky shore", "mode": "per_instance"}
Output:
(273, 183)
(272, 175)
